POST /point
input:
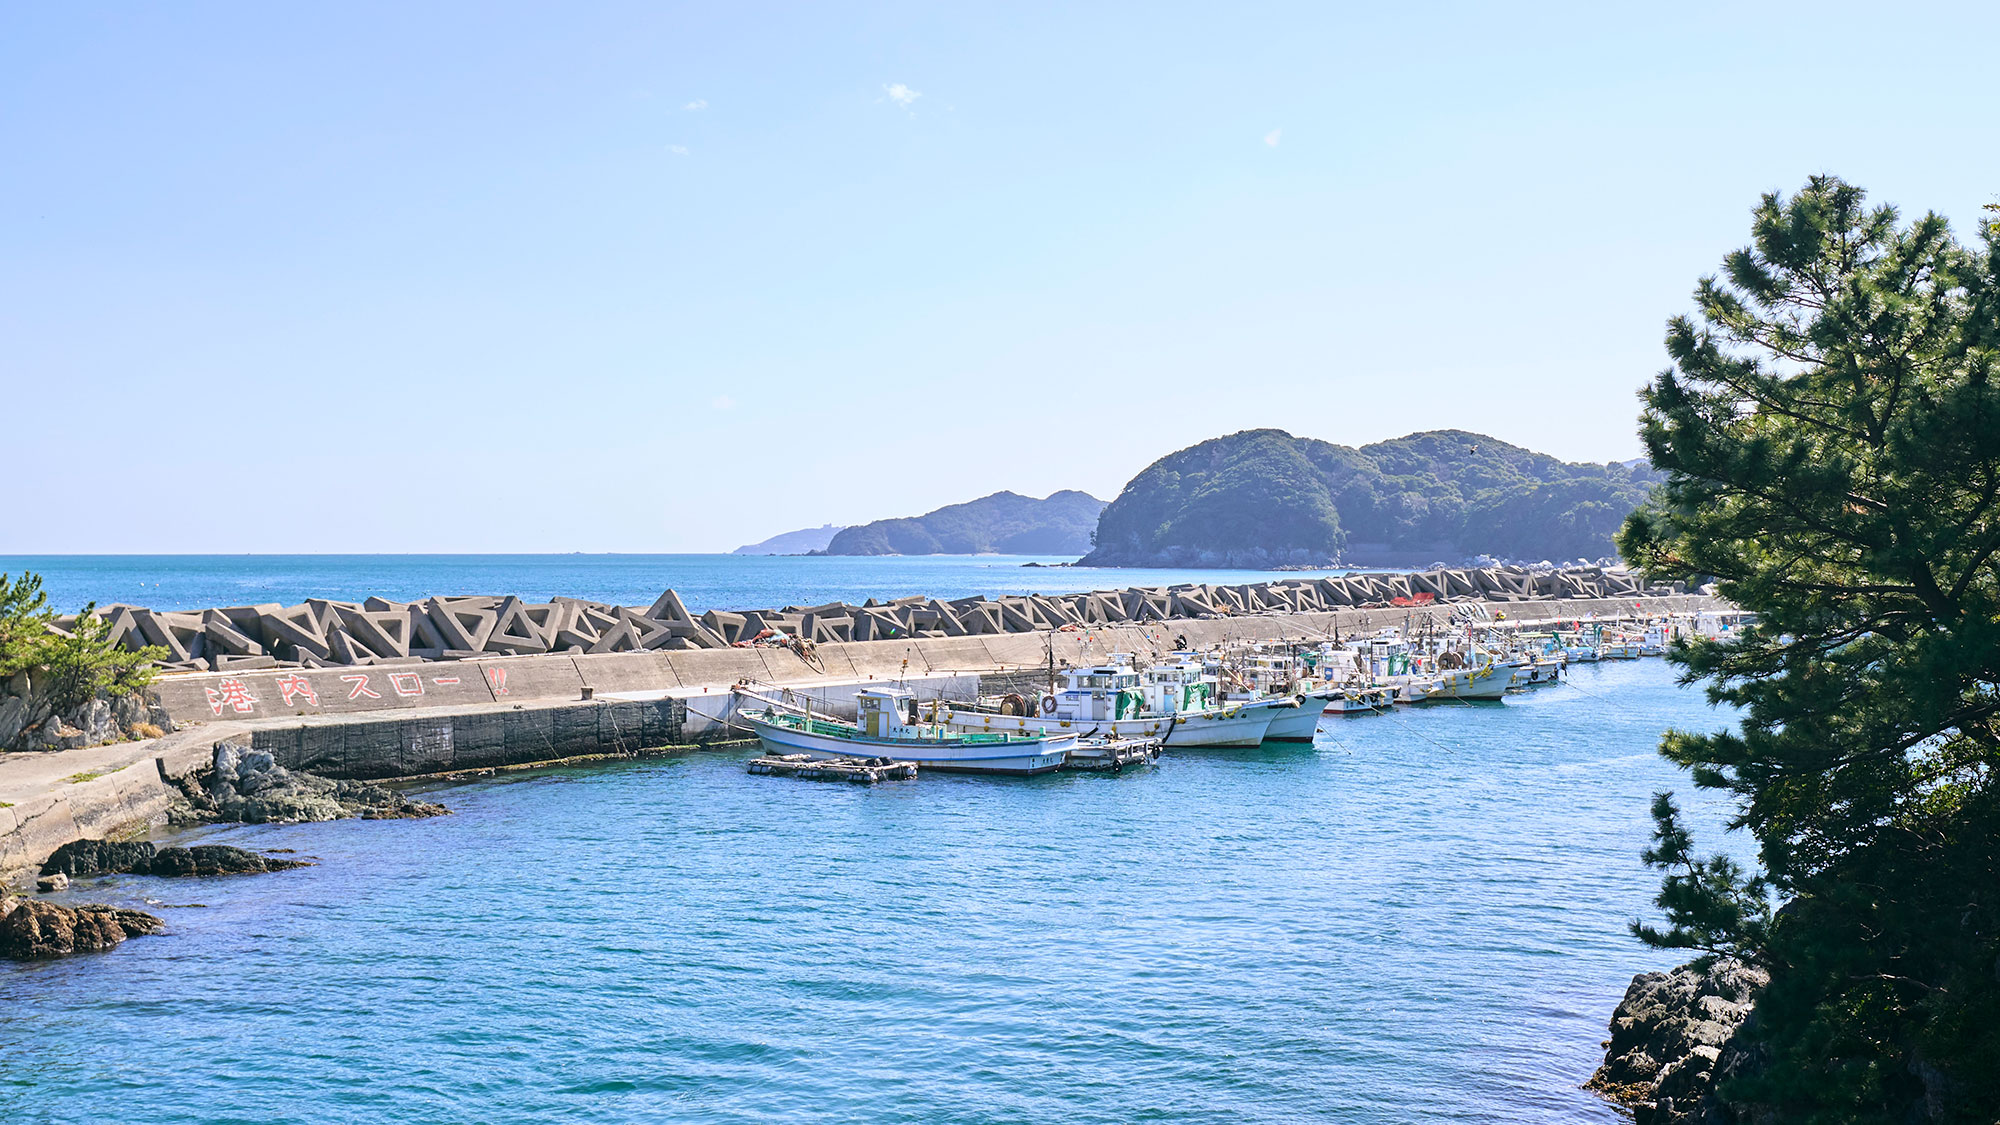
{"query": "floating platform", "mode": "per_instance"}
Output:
(866, 771)
(1113, 754)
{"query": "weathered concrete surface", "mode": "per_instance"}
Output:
(440, 739)
(127, 795)
(263, 693)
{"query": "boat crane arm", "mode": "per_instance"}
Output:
(781, 705)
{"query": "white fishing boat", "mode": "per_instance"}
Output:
(1172, 702)
(1619, 646)
(1536, 670)
(1185, 690)
(1579, 647)
(1487, 680)
(882, 730)
(1657, 639)
(1296, 718)
(1538, 659)
(1099, 701)
(1275, 681)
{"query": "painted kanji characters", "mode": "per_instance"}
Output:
(296, 684)
(232, 694)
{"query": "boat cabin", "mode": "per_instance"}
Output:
(1170, 688)
(1379, 658)
(1106, 691)
(880, 712)
(1272, 673)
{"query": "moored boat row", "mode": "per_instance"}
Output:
(1232, 696)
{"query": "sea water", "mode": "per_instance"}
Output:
(705, 582)
(1419, 917)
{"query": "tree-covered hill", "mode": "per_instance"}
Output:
(1266, 498)
(1005, 522)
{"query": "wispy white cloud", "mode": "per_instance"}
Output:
(678, 150)
(722, 402)
(1271, 138)
(698, 103)
(900, 94)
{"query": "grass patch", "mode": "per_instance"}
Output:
(6, 804)
(148, 730)
(80, 778)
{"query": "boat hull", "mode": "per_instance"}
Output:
(1536, 673)
(1232, 726)
(1364, 701)
(1226, 728)
(1019, 758)
(1489, 682)
(1300, 723)
(986, 722)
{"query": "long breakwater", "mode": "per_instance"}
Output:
(322, 633)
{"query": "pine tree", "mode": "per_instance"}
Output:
(24, 623)
(83, 662)
(1831, 434)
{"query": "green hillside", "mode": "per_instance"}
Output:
(1005, 523)
(1265, 498)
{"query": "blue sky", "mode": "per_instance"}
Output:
(649, 277)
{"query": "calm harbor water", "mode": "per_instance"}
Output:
(1421, 917)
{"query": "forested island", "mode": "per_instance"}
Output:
(1004, 523)
(803, 541)
(1264, 498)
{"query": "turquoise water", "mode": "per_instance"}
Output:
(705, 582)
(1421, 917)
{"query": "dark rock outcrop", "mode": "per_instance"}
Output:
(216, 859)
(248, 786)
(80, 859)
(83, 858)
(1671, 1041)
(30, 928)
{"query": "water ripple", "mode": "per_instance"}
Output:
(1377, 928)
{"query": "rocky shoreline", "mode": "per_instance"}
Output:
(247, 786)
(241, 785)
(1674, 1039)
(33, 930)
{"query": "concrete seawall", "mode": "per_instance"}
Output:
(267, 694)
(378, 633)
(358, 722)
